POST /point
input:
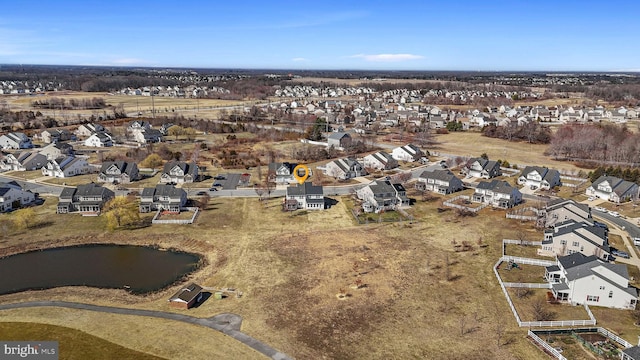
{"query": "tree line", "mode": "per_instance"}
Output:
(627, 174)
(532, 132)
(71, 104)
(597, 143)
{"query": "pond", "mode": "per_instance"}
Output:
(138, 269)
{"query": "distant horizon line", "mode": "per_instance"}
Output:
(632, 71)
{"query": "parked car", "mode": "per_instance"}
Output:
(600, 208)
(591, 198)
(601, 225)
(614, 213)
(636, 241)
(213, 189)
(620, 253)
(219, 177)
(200, 193)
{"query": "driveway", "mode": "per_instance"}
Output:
(228, 324)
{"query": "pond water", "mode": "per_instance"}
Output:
(137, 269)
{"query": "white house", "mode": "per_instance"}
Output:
(179, 172)
(569, 237)
(15, 140)
(497, 193)
(86, 130)
(613, 189)
(344, 169)
(481, 168)
(13, 196)
(580, 279)
(100, 139)
(380, 161)
(539, 177)
(304, 196)
(409, 153)
(66, 167)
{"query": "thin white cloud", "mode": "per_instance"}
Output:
(299, 59)
(387, 57)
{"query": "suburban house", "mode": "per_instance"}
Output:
(304, 196)
(138, 125)
(15, 140)
(339, 140)
(66, 166)
(580, 279)
(178, 172)
(380, 161)
(570, 237)
(186, 297)
(439, 181)
(121, 172)
(99, 139)
(282, 173)
(561, 210)
(613, 189)
(86, 199)
(56, 150)
(162, 197)
(147, 136)
(497, 193)
(538, 177)
(86, 130)
(344, 169)
(481, 168)
(51, 136)
(382, 195)
(23, 161)
(12, 196)
(408, 153)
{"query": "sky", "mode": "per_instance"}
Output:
(487, 35)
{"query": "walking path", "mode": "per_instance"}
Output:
(228, 324)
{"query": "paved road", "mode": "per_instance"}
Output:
(228, 324)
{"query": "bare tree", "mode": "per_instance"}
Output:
(540, 312)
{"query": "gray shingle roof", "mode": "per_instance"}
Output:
(306, 188)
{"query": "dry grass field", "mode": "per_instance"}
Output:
(473, 144)
(418, 298)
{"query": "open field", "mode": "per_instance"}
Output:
(473, 144)
(290, 268)
(74, 344)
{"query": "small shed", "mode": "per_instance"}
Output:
(187, 296)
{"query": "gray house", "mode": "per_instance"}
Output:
(380, 160)
(498, 194)
(339, 139)
(23, 161)
(162, 197)
(122, 172)
(86, 199)
(382, 196)
(439, 181)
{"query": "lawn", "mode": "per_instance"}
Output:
(417, 291)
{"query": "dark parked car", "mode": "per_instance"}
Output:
(219, 177)
(200, 193)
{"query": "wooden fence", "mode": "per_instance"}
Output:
(517, 214)
(450, 203)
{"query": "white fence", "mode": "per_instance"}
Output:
(614, 337)
(522, 242)
(529, 285)
(544, 344)
(449, 203)
(195, 210)
(517, 214)
(503, 286)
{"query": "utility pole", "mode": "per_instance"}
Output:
(153, 106)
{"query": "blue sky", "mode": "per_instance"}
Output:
(561, 35)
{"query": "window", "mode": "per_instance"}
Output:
(563, 242)
(593, 298)
(610, 294)
(575, 244)
(601, 287)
